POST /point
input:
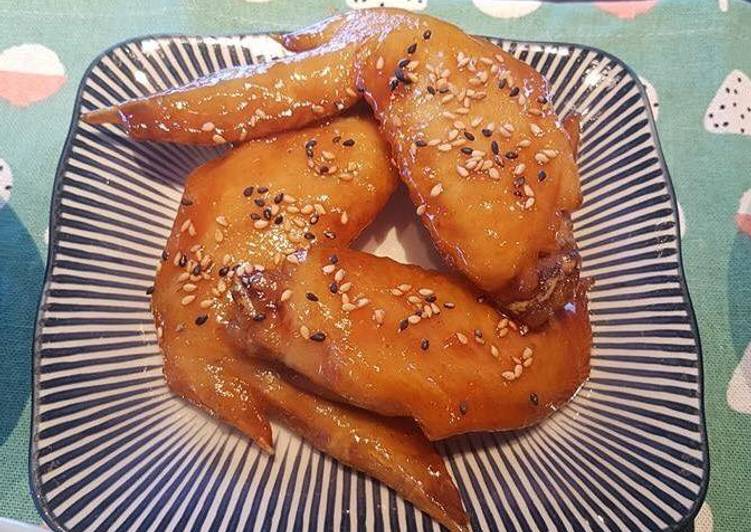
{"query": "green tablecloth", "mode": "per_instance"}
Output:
(688, 51)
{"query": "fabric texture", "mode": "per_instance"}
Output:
(692, 56)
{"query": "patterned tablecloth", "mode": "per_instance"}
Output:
(694, 56)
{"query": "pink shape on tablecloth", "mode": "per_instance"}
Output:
(23, 89)
(627, 9)
(743, 217)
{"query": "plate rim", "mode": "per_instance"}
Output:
(39, 499)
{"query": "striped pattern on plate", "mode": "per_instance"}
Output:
(111, 447)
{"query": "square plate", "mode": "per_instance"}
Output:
(111, 446)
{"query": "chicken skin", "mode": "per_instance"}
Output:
(402, 341)
(489, 167)
(246, 206)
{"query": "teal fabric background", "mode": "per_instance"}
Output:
(685, 48)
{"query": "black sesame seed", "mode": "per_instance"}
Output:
(318, 337)
(150, 290)
(511, 155)
(541, 176)
(313, 219)
(311, 296)
(400, 76)
(279, 197)
(424, 344)
(518, 193)
(403, 62)
(186, 201)
(197, 269)
(467, 150)
(420, 143)
(224, 270)
(333, 259)
(431, 298)
(329, 234)
(514, 92)
(519, 181)
(267, 213)
(333, 287)
(542, 99)
(255, 216)
(444, 90)
(412, 48)
(478, 333)
(480, 299)
(494, 147)
(431, 90)
(448, 304)
(486, 132)
(183, 261)
(469, 136)
(200, 320)
(427, 34)
(165, 255)
(259, 201)
(248, 191)
(259, 317)
(534, 399)
(336, 139)
(463, 407)
(502, 84)
(263, 190)
(393, 84)
(310, 144)
(279, 219)
(309, 236)
(349, 143)
(403, 325)
(324, 169)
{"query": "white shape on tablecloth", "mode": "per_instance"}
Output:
(6, 183)
(704, 521)
(730, 110)
(626, 9)
(29, 73)
(739, 387)
(723, 5)
(681, 220)
(507, 8)
(412, 5)
(743, 217)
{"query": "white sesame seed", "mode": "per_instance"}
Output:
(448, 114)
(425, 292)
(552, 154)
(261, 224)
(415, 300)
(447, 98)
(221, 286)
(494, 351)
(504, 132)
(329, 269)
(494, 174)
(453, 134)
(518, 370)
(218, 236)
(436, 190)
(434, 142)
(461, 171)
(503, 332)
(304, 331)
(345, 287)
(462, 111)
(187, 300)
(183, 277)
(286, 295)
(319, 208)
(396, 292)
(536, 130)
(528, 190)
(427, 312)
(339, 275)
(529, 203)
(362, 302)
(459, 124)
(345, 299)
(218, 139)
(221, 220)
(327, 155)
(508, 375)
(414, 319)
(476, 121)
(462, 339)
(379, 63)
(206, 303)
(348, 307)
(317, 109)
(541, 158)
(527, 353)
(293, 258)
(405, 287)
(344, 218)
(189, 287)
(185, 225)
(435, 308)
(527, 362)
(378, 315)
(207, 126)
(519, 170)
(420, 210)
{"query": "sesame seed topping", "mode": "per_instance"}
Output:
(462, 338)
(200, 320)
(462, 171)
(286, 295)
(218, 139)
(519, 170)
(463, 407)
(436, 190)
(329, 269)
(318, 336)
(508, 375)
(412, 48)
(427, 34)
(339, 275)
(534, 399)
(396, 292)
(403, 325)
(424, 344)
(187, 300)
(420, 210)
(379, 63)
(311, 296)
(304, 331)
(261, 224)
(317, 109)
(414, 319)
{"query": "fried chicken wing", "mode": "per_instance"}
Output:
(258, 203)
(487, 163)
(402, 341)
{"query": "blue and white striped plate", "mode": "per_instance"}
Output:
(112, 447)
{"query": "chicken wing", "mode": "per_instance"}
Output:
(402, 341)
(259, 203)
(489, 167)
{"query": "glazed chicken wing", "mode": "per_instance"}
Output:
(489, 167)
(258, 203)
(402, 341)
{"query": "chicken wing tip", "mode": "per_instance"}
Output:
(107, 115)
